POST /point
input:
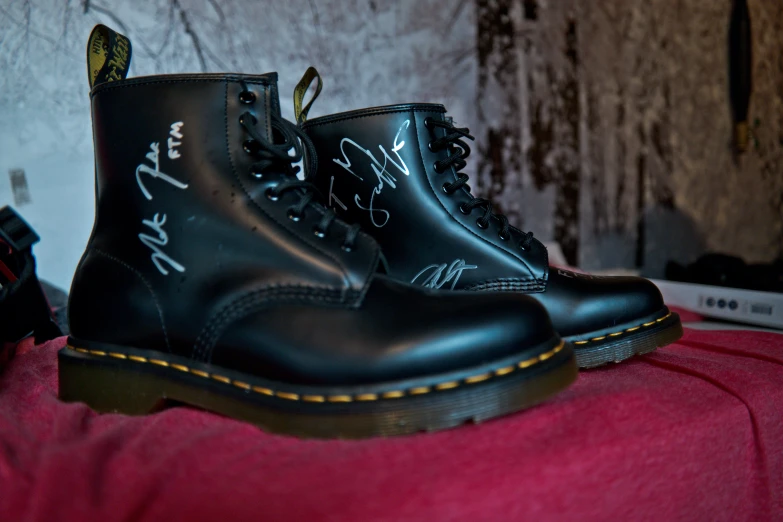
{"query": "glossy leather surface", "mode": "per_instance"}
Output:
(404, 204)
(576, 302)
(383, 156)
(194, 259)
(397, 332)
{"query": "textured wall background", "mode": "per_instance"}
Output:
(606, 126)
(602, 125)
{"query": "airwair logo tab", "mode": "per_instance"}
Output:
(108, 56)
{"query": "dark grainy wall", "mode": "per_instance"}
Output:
(606, 126)
(602, 125)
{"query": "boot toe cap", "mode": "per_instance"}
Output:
(398, 332)
(580, 304)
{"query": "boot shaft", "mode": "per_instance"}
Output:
(187, 223)
(377, 167)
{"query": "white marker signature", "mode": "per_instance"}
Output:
(173, 144)
(154, 243)
(333, 197)
(384, 176)
(154, 157)
(442, 274)
(161, 238)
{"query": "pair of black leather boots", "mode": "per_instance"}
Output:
(215, 277)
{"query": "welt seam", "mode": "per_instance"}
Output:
(392, 394)
(525, 284)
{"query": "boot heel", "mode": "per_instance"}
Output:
(105, 386)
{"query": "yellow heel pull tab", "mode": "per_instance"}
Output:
(301, 89)
(108, 56)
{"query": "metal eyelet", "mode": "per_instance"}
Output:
(522, 247)
(504, 237)
(481, 224)
(256, 173)
(432, 147)
(319, 233)
(250, 146)
(247, 97)
(254, 120)
(293, 216)
(447, 189)
(437, 168)
(427, 122)
(271, 195)
(463, 209)
(347, 248)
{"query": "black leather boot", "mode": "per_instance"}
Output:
(396, 171)
(214, 278)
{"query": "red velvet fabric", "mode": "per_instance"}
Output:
(691, 432)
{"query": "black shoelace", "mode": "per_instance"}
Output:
(459, 150)
(276, 157)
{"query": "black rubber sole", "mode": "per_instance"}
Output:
(132, 381)
(622, 342)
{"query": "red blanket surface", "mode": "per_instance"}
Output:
(691, 432)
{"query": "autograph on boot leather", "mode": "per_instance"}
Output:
(333, 197)
(440, 275)
(383, 176)
(155, 244)
(161, 238)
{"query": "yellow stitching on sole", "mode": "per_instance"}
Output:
(527, 364)
(446, 385)
(476, 378)
(614, 334)
(394, 394)
(542, 357)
